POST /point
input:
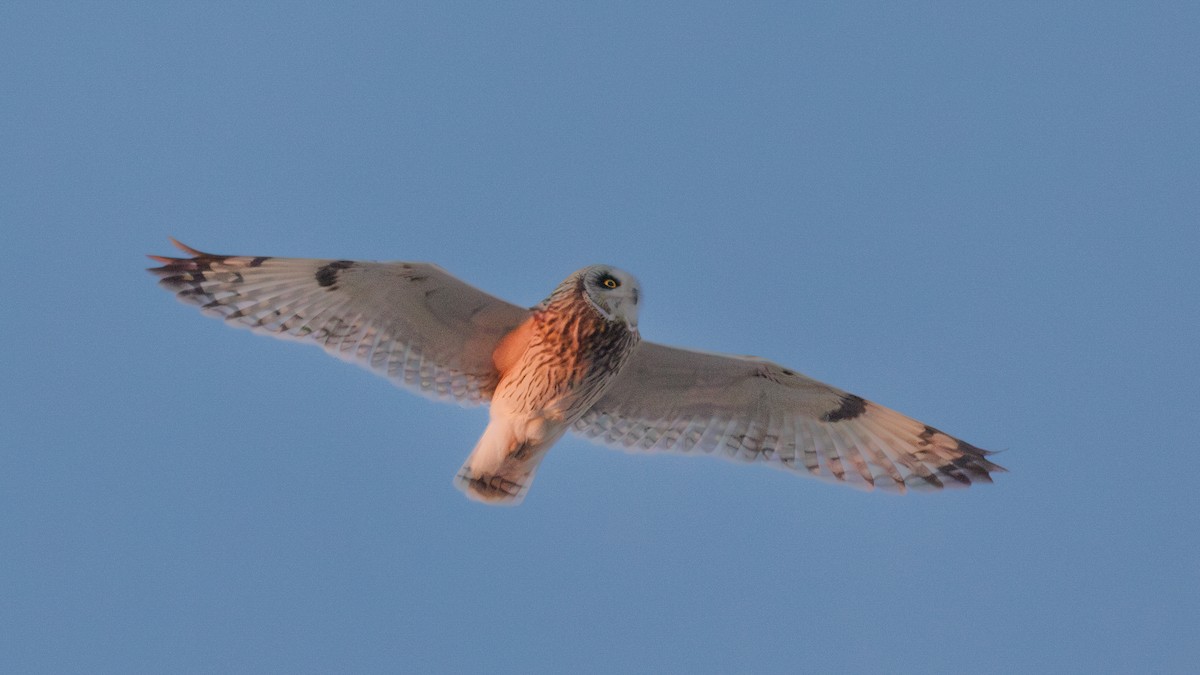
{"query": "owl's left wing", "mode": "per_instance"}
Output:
(749, 409)
(411, 322)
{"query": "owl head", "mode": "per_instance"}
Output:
(612, 292)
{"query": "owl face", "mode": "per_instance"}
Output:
(613, 292)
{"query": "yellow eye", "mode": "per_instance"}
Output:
(610, 282)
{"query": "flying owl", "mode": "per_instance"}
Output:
(574, 362)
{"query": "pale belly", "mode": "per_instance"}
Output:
(541, 401)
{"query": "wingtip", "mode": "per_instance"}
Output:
(186, 249)
(168, 260)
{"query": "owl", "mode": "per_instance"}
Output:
(574, 362)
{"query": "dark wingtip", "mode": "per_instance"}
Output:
(971, 465)
(196, 258)
(197, 262)
(995, 467)
(189, 250)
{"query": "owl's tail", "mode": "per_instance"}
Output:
(501, 468)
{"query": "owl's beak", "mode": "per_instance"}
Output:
(626, 308)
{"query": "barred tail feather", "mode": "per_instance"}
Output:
(501, 467)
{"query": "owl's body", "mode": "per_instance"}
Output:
(553, 368)
(574, 362)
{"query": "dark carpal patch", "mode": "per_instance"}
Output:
(770, 372)
(852, 406)
(327, 275)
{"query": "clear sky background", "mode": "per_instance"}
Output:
(985, 215)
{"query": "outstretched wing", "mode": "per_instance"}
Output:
(410, 322)
(749, 409)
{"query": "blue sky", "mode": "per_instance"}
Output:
(983, 215)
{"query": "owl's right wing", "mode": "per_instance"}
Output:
(411, 322)
(749, 409)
